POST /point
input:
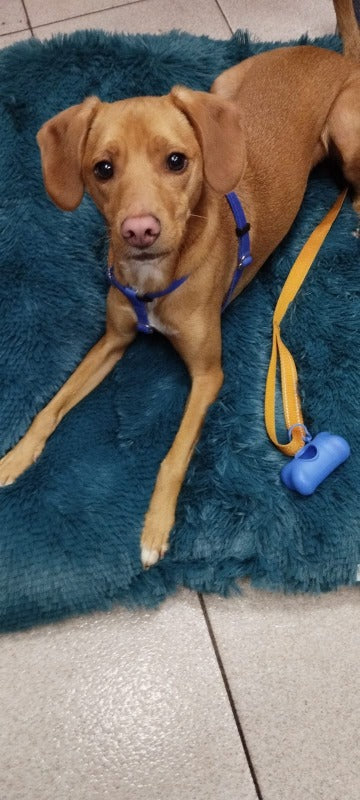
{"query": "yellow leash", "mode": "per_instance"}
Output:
(289, 379)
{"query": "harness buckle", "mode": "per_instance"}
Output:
(245, 261)
(240, 232)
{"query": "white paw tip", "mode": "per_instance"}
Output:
(149, 557)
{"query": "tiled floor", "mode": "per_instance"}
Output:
(278, 19)
(255, 697)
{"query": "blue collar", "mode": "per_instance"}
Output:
(139, 301)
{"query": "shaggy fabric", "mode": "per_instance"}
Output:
(70, 526)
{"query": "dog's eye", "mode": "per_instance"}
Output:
(176, 162)
(103, 170)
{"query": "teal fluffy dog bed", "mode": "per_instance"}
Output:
(70, 526)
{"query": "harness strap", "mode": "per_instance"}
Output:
(298, 433)
(242, 232)
(138, 301)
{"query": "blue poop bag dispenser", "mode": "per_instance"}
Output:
(314, 462)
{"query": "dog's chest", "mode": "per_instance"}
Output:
(156, 322)
(138, 276)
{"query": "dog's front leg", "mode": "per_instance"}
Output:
(207, 378)
(93, 369)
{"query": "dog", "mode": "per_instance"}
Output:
(158, 168)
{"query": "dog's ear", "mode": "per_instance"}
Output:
(62, 142)
(217, 127)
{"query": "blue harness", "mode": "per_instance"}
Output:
(139, 301)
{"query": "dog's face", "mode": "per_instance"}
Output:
(142, 162)
(145, 162)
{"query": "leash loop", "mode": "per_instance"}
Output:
(298, 434)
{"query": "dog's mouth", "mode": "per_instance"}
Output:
(145, 256)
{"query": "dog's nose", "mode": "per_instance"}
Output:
(141, 231)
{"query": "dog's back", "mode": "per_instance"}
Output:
(308, 95)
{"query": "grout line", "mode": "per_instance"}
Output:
(225, 17)
(9, 33)
(89, 13)
(230, 697)
(27, 17)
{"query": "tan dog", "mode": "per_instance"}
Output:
(158, 168)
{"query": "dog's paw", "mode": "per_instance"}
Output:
(17, 461)
(149, 557)
(10, 468)
(154, 542)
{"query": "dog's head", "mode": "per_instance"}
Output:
(144, 161)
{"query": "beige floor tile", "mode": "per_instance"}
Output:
(11, 38)
(280, 19)
(118, 706)
(293, 668)
(41, 13)
(150, 16)
(12, 16)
